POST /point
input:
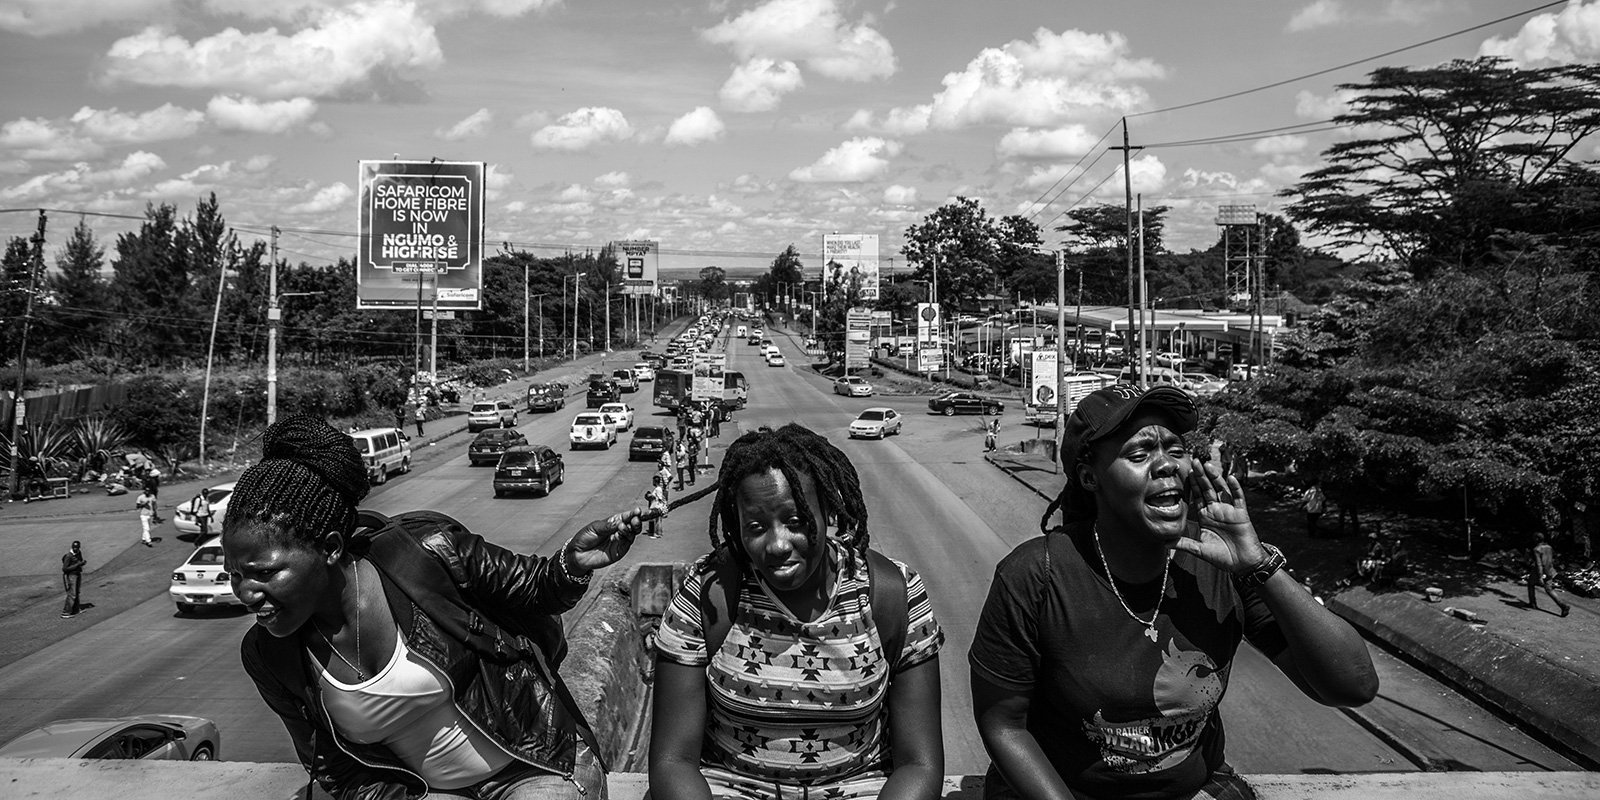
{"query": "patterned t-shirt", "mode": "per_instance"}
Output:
(800, 702)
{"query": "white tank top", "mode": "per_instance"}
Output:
(407, 708)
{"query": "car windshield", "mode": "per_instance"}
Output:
(363, 445)
(207, 556)
(587, 419)
(871, 416)
(476, 407)
(850, 380)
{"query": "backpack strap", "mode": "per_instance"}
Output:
(422, 578)
(719, 597)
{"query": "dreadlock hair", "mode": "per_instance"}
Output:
(1074, 502)
(793, 450)
(308, 482)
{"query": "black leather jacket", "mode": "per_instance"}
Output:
(512, 703)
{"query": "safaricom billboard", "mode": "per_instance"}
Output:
(851, 256)
(640, 261)
(420, 226)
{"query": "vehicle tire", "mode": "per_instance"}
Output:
(949, 411)
(498, 493)
(995, 410)
(574, 446)
(383, 476)
(405, 465)
(203, 753)
(185, 608)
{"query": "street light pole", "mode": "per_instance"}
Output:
(272, 331)
(526, 301)
(575, 278)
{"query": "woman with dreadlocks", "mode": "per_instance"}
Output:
(1104, 648)
(795, 662)
(382, 652)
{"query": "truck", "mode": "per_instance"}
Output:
(1073, 388)
(674, 388)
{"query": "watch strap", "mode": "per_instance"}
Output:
(1263, 570)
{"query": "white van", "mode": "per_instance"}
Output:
(384, 450)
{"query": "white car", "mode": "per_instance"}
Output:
(876, 423)
(642, 371)
(775, 359)
(183, 516)
(852, 386)
(591, 430)
(620, 415)
(491, 414)
(1204, 385)
(201, 581)
(1244, 372)
(1173, 360)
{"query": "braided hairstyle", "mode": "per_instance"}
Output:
(793, 450)
(308, 482)
(1074, 502)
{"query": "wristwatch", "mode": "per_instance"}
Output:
(1263, 569)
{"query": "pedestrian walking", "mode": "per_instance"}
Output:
(1314, 502)
(72, 579)
(991, 433)
(152, 487)
(664, 467)
(1544, 571)
(201, 506)
(418, 410)
(146, 505)
(400, 417)
(680, 462)
(696, 438)
(791, 596)
(1072, 700)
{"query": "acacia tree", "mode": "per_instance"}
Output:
(1452, 156)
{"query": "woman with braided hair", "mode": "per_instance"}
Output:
(1105, 646)
(795, 662)
(359, 644)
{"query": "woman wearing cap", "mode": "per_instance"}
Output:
(1105, 646)
(386, 687)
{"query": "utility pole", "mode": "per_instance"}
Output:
(273, 315)
(19, 406)
(1061, 353)
(1144, 350)
(525, 301)
(433, 337)
(608, 316)
(1127, 189)
(211, 349)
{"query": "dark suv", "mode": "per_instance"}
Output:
(546, 397)
(486, 447)
(602, 391)
(529, 468)
(649, 442)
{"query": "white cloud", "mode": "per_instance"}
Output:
(1312, 106)
(38, 139)
(48, 17)
(1027, 143)
(496, 179)
(613, 180)
(696, 127)
(898, 195)
(1320, 14)
(1571, 36)
(159, 124)
(811, 32)
(854, 161)
(343, 51)
(1280, 145)
(1045, 82)
(82, 178)
(748, 184)
(254, 116)
(333, 197)
(474, 126)
(582, 129)
(759, 84)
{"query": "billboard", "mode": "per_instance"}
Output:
(930, 358)
(927, 322)
(1044, 381)
(857, 338)
(847, 255)
(708, 380)
(420, 232)
(640, 261)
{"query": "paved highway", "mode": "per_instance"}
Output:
(934, 503)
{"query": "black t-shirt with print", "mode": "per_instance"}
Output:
(1117, 714)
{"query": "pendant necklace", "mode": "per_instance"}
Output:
(361, 674)
(1150, 626)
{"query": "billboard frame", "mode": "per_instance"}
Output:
(392, 242)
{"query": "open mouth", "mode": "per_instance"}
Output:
(1171, 499)
(266, 615)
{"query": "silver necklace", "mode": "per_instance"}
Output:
(1150, 625)
(361, 674)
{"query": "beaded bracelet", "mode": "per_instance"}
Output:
(566, 572)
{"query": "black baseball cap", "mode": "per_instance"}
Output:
(1104, 410)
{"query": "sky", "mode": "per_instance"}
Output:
(724, 129)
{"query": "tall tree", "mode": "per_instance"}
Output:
(75, 318)
(959, 237)
(1458, 154)
(14, 288)
(713, 284)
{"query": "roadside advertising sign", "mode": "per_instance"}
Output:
(640, 261)
(419, 225)
(852, 255)
(927, 322)
(1044, 382)
(930, 359)
(708, 379)
(857, 338)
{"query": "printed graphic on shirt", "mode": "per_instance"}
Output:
(1187, 688)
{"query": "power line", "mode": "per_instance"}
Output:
(1069, 172)
(1348, 64)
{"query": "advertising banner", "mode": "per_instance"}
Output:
(927, 322)
(708, 379)
(1044, 381)
(419, 224)
(857, 338)
(930, 358)
(640, 261)
(848, 256)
